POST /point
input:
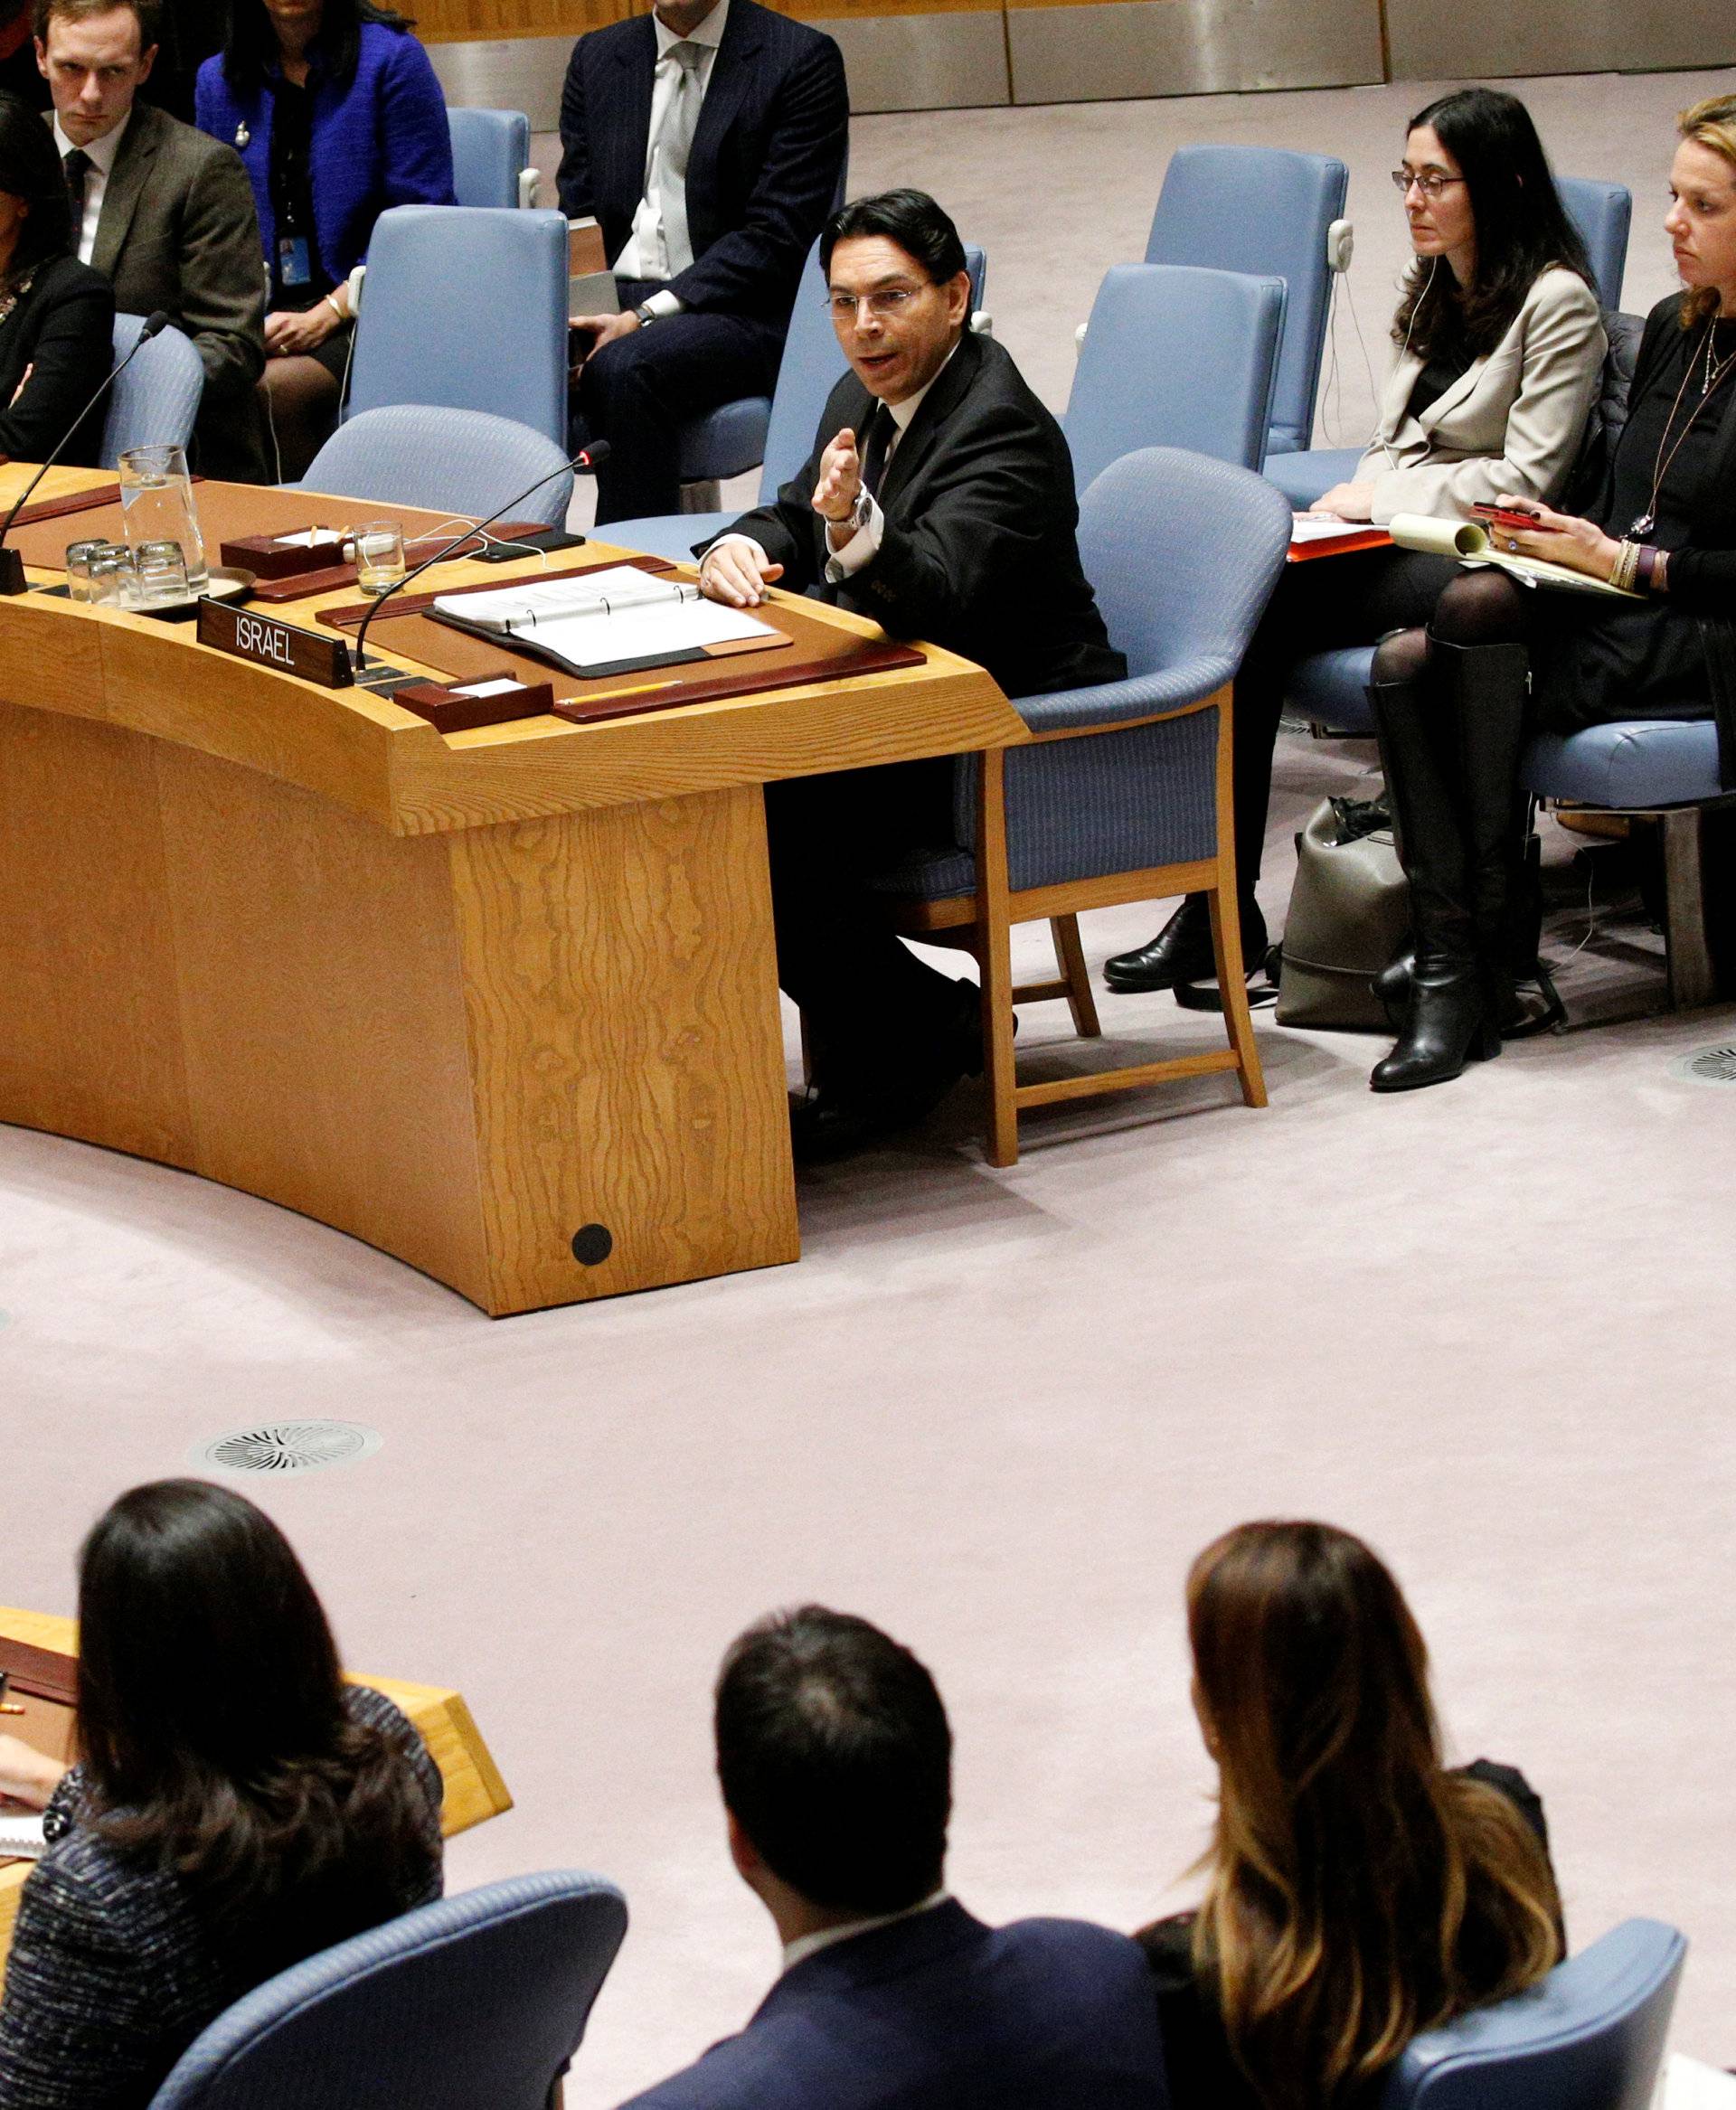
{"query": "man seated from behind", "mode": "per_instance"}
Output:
(834, 1756)
(161, 211)
(939, 499)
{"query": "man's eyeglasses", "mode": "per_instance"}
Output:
(884, 302)
(1432, 186)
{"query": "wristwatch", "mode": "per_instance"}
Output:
(861, 513)
(646, 313)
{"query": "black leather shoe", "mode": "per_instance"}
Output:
(1447, 1024)
(828, 1122)
(1182, 951)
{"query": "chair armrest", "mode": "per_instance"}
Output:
(530, 184)
(1116, 703)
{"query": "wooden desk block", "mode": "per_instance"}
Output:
(502, 1002)
(475, 1790)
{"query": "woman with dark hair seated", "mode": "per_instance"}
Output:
(57, 315)
(1357, 1892)
(1456, 700)
(236, 1806)
(334, 107)
(1500, 349)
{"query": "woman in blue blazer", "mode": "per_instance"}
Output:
(334, 107)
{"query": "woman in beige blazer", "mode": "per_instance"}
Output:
(1500, 350)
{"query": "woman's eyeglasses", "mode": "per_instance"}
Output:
(1432, 186)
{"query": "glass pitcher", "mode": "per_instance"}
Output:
(157, 503)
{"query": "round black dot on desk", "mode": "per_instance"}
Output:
(592, 1243)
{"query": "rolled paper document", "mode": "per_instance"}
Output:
(1440, 538)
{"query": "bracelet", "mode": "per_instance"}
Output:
(1661, 572)
(339, 312)
(1647, 568)
(1621, 572)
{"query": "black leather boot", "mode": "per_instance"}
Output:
(1181, 950)
(1447, 1017)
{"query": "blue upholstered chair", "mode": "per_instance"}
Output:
(1175, 356)
(502, 348)
(1588, 2037)
(1124, 794)
(1266, 211)
(811, 368)
(474, 2003)
(1601, 211)
(461, 462)
(155, 402)
(491, 158)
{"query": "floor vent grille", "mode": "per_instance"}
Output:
(287, 1447)
(1708, 1065)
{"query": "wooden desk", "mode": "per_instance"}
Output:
(466, 997)
(475, 1791)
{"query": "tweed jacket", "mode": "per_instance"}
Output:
(1511, 421)
(178, 232)
(111, 1976)
(383, 141)
(768, 156)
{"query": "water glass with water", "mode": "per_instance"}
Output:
(77, 567)
(162, 575)
(110, 574)
(379, 555)
(156, 502)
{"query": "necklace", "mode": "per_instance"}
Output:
(1712, 378)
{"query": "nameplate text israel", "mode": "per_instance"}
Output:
(271, 643)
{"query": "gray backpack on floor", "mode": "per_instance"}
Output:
(1349, 915)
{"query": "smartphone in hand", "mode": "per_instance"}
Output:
(1507, 519)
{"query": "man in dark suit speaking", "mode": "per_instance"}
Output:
(835, 1756)
(939, 499)
(162, 211)
(709, 141)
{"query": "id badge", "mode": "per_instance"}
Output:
(295, 266)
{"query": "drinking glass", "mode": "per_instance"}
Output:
(77, 567)
(156, 499)
(110, 574)
(379, 555)
(162, 575)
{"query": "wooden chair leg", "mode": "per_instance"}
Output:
(1232, 980)
(1070, 958)
(994, 951)
(1694, 980)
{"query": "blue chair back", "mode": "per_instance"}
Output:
(466, 306)
(155, 402)
(1263, 210)
(1588, 2037)
(461, 462)
(1175, 356)
(1603, 213)
(474, 2003)
(1182, 553)
(491, 150)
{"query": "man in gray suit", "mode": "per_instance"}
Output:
(161, 210)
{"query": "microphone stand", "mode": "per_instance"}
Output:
(12, 565)
(597, 451)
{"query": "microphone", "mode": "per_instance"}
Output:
(12, 565)
(588, 458)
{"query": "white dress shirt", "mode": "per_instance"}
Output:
(647, 253)
(102, 153)
(810, 1944)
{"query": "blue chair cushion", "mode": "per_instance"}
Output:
(728, 441)
(1302, 478)
(1638, 763)
(1328, 687)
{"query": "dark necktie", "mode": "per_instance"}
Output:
(78, 165)
(876, 448)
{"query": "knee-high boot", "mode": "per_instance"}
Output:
(1447, 1016)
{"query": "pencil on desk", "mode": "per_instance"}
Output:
(10, 1707)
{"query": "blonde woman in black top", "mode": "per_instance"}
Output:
(235, 1807)
(1357, 1892)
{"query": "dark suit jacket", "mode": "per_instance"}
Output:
(941, 2013)
(178, 232)
(62, 333)
(980, 552)
(768, 156)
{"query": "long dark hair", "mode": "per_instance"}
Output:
(213, 1731)
(1521, 227)
(1357, 1892)
(250, 43)
(30, 169)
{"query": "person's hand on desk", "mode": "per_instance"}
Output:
(25, 1775)
(289, 332)
(736, 573)
(1559, 538)
(1347, 501)
(840, 485)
